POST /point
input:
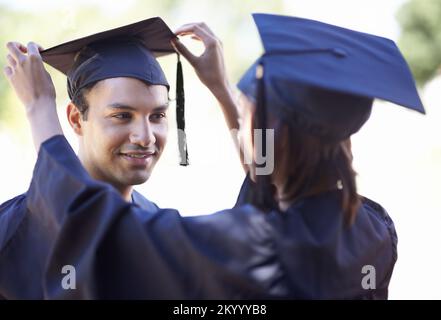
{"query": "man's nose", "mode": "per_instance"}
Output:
(142, 134)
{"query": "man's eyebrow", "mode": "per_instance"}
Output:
(117, 105)
(163, 107)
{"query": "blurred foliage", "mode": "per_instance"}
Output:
(50, 23)
(420, 41)
(5, 21)
(48, 28)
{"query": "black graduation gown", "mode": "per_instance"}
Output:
(305, 252)
(26, 239)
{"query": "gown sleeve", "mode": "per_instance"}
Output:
(246, 192)
(117, 256)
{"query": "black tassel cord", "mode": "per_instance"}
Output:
(180, 115)
(263, 196)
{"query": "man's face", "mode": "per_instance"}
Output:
(125, 131)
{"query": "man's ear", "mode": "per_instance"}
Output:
(75, 118)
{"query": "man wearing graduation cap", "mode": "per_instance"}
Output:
(309, 248)
(119, 102)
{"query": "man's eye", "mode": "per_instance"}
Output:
(158, 116)
(122, 116)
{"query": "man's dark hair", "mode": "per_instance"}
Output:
(80, 101)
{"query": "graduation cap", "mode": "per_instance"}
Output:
(323, 79)
(128, 51)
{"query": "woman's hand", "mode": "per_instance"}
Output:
(34, 88)
(209, 66)
(27, 75)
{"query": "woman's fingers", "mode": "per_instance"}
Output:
(184, 29)
(209, 66)
(20, 46)
(198, 31)
(15, 51)
(7, 71)
(201, 25)
(26, 73)
(193, 36)
(206, 28)
(33, 49)
(181, 49)
(11, 60)
(40, 48)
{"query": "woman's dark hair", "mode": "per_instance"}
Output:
(312, 151)
(311, 166)
(308, 164)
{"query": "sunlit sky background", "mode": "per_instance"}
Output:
(397, 153)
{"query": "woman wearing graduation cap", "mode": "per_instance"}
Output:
(298, 231)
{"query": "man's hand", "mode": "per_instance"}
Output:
(209, 66)
(34, 88)
(26, 73)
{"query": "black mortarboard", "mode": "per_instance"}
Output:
(128, 51)
(323, 79)
(326, 77)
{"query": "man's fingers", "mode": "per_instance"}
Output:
(181, 49)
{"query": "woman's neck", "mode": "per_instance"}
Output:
(284, 201)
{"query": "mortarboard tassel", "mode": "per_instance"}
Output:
(264, 196)
(180, 117)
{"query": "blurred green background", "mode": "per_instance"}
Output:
(420, 22)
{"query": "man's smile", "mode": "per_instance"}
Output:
(138, 157)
